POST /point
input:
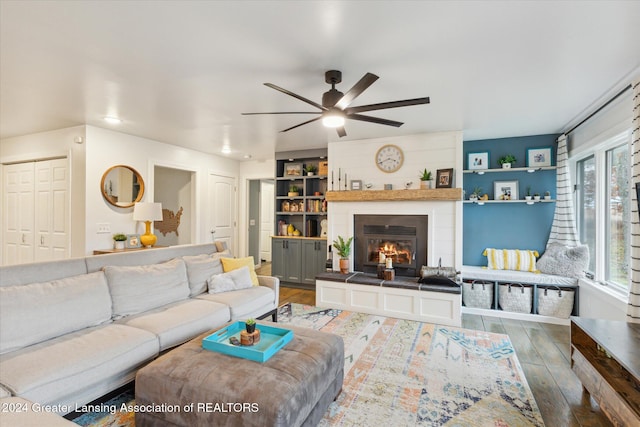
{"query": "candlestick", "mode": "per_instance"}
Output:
(389, 263)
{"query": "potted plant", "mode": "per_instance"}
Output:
(293, 191)
(311, 169)
(250, 325)
(547, 195)
(118, 240)
(528, 195)
(507, 160)
(343, 249)
(425, 179)
(475, 195)
(536, 197)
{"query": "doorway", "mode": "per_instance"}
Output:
(260, 220)
(174, 189)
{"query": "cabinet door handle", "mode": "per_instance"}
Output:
(42, 240)
(22, 237)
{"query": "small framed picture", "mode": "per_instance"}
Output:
(356, 184)
(539, 157)
(444, 178)
(133, 241)
(505, 190)
(478, 161)
(293, 169)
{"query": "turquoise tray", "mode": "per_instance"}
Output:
(271, 340)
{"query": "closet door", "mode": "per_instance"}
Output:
(52, 210)
(19, 209)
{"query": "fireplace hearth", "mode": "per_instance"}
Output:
(403, 238)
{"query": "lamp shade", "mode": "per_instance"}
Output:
(147, 211)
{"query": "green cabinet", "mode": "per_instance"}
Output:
(286, 259)
(297, 261)
(314, 257)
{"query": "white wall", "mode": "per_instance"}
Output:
(58, 143)
(105, 148)
(599, 302)
(431, 151)
(253, 169)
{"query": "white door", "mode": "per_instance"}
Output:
(266, 219)
(52, 210)
(19, 208)
(222, 209)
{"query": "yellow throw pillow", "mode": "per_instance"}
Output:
(511, 259)
(230, 264)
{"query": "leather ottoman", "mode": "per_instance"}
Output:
(191, 386)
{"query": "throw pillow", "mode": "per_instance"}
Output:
(511, 259)
(563, 260)
(231, 281)
(230, 264)
(200, 268)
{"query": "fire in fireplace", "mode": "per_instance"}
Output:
(403, 238)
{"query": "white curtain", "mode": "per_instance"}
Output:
(633, 307)
(563, 228)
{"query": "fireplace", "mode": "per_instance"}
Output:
(403, 238)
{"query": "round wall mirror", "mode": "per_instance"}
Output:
(122, 186)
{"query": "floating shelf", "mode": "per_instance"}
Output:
(530, 170)
(529, 202)
(434, 194)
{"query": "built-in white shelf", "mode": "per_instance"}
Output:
(530, 170)
(506, 202)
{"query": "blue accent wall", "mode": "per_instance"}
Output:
(512, 225)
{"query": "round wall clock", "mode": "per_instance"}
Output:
(389, 158)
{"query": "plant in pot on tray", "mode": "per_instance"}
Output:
(507, 161)
(250, 325)
(343, 249)
(425, 179)
(119, 240)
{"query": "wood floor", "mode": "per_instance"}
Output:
(543, 352)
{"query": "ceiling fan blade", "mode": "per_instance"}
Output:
(284, 112)
(295, 95)
(374, 120)
(356, 90)
(383, 105)
(341, 131)
(303, 123)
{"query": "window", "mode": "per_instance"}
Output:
(603, 209)
(586, 211)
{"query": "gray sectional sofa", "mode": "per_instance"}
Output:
(74, 330)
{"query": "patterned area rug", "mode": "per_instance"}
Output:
(407, 373)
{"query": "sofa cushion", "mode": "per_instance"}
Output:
(36, 312)
(230, 264)
(15, 411)
(135, 289)
(250, 302)
(231, 281)
(48, 371)
(200, 268)
(178, 322)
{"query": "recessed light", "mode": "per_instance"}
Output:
(112, 120)
(247, 156)
(226, 149)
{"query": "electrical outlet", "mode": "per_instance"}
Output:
(103, 228)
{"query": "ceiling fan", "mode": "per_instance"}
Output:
(335, 104)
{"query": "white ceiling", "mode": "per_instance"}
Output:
(182, 72)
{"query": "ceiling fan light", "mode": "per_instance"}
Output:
(333, 120)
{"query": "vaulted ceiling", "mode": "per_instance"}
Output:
(182, 72)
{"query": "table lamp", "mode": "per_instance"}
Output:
(147, 212)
